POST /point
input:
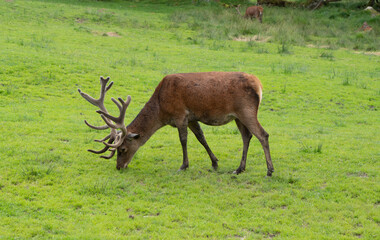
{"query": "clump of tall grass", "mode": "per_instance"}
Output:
(288, 69)
(261, 50)
(310, 149)
(284, 48)
(346, 82)
(349, 78)
(283, 90)
(327, 55)
(8, 89)
(33, 173)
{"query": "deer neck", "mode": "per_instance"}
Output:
(147, 122)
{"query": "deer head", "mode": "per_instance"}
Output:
(120, 141)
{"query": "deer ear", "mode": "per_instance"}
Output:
(133, 136)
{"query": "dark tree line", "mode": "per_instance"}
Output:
(310, 4)
(372, 2)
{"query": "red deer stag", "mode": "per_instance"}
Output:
(182, 100)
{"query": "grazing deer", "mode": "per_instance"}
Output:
(252, 12)
(182, 100)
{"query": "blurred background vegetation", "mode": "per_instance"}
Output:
(336, 25)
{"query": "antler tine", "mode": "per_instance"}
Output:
(104, 88)
(108, 122)
(118, 141)
(117, 104)
(95, 127)
(105, 148)
(111, 154)
(103, 82)
(123, 108)
(100, 151)
(105, 138)
(100, 101)
(119, 121)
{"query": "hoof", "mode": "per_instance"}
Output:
(238, 171)
(183, 167)
(269, 173)
(215, 166)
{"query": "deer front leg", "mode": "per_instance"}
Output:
(183, 138)
(197, 130)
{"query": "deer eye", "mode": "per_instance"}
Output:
(123, 149)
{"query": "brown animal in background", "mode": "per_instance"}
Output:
(182, 100)
(365, 27)
(254, 12)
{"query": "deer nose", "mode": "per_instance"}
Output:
(117, 167)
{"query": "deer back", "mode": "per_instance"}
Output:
(207, 97)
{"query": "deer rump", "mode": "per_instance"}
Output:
(182, 100)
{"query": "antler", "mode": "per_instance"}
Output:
(100, 103)
(118, 121)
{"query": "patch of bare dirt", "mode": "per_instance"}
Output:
(368, 53)
(112, 34)
(80, 20)
(255, 38)
(103, 10)
(106, 34)
(314, 46)
(357, 52)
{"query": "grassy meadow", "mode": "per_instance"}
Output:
(321, 101)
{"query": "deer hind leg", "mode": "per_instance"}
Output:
(253, 125)
(197, 130)
(246, 136)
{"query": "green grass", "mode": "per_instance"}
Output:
(320, 107)
(335, 26)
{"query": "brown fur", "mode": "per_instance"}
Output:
(213, 98)
(254, 12)
(365, 27)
